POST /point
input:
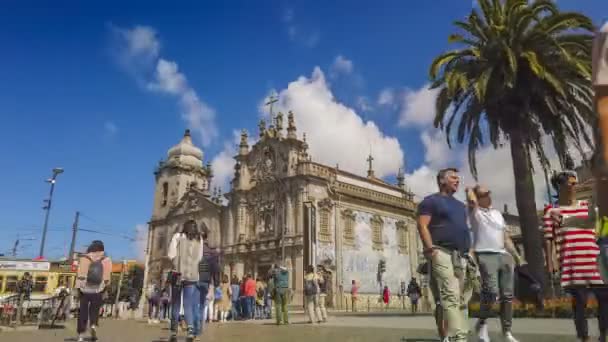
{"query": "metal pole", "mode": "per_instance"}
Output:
(56, 171)
(73, 243)
(46, 216)
(122, 272)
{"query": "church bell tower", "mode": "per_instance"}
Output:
(182, 170)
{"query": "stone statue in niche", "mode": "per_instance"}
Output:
(267, 222)
(265, 215)
(264, 167)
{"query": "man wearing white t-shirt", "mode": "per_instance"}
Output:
(496, 256)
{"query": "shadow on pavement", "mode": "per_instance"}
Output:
(379, 314)
(49, 327)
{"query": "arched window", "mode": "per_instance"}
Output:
(324, 220)
(377, 223)
(402, 237)
(348, 232)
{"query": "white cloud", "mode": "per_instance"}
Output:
(142, 41)
(437, 152)
(386, 97)
(110, 128)
(418, 107)
(333, 128)
(137, 50)
(223, 167)
(363, 104)
(494, 166)
(342, 65)
(140, 242)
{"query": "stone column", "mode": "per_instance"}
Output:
(298, 274)
(290, 214)
(339, 246)
(241, 221)
(299, 222)
(229, 227)
(239, 267)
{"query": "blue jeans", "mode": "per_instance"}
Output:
(191, 296)
(201, 310)
(243, 307)
(234, 311)
(251, 305)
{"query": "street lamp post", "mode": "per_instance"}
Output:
(47, 207)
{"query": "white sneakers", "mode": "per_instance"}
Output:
(600, 57)
(482, 332)
(93, 332)
(508, 337)
(484, 336)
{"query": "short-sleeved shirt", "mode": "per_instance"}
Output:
(600, 57)
(576, 246)
(448, 226)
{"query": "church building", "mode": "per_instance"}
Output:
(284, 207)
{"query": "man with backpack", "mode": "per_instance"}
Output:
(280, 292)
(414, 292)
(208, 270)
(311, 293)
(94, 270)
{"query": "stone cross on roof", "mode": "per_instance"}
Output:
(272, 99)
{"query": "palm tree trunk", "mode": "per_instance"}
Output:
(526, 206)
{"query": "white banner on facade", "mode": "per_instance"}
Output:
(13, 265)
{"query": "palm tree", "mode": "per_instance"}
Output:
(521, 74)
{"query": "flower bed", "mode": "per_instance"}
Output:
(556, 308)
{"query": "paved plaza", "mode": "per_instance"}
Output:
(350, 328)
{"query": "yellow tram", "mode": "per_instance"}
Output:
(46, 276)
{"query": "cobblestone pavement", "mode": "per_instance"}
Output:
(347, 328)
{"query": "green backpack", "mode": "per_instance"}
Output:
(281, 279)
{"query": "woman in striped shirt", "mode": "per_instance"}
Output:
(567, 228)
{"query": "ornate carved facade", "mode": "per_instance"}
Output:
(283, 207)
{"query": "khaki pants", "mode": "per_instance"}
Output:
(280, 303)
(322, 298)
(449, 281)
(312, 305)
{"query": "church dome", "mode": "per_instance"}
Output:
(185, 152)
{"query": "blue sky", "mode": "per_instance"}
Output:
(67, 99)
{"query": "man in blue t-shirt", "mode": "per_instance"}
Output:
(442, 224)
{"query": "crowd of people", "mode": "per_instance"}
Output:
(467, 247)
(467, 243)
